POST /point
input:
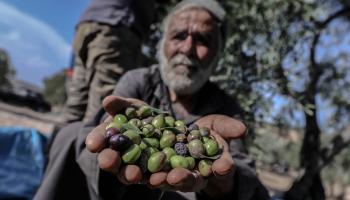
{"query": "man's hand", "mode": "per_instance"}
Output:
(224, 129)
(178, 178)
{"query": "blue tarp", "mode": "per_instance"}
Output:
(22, 162)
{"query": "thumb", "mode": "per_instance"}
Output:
(226, 127)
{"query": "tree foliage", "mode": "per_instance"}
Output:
(5, 68)
(55, 88)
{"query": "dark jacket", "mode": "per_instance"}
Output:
(135, 14)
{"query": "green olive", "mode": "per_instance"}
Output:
(135, 122)
(120, 119)
(169, 152)
(179, 161)
(166, 132)
(133, 136)
(195, 134)
(156, 162)
(204, 167)
(151, 142)
(182, 129)
(112, 124)
(144, 111)
(191, 162)
(181, 138)
(131, 155)
(179, 123)
(169, 121)
(205, 139)
(167, 140)
(158, 121)
(196, 148)
(148, 130)
(130, 112)
(150, 150)
(211, 147)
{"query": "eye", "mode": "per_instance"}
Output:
(181, 36)
(201, 39)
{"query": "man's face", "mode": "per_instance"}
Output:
(189, 50)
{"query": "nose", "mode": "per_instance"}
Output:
(187, 47)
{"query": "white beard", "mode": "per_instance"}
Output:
(182, 74)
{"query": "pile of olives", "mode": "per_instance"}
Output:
(156, 141)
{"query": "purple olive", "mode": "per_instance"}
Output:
(119, 142)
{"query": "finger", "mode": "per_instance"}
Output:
(130, 174)
(227, 127)
(158, 179)
(95, 140)
(225, 164)
(109, 160)
(185, 180)
(115, 104)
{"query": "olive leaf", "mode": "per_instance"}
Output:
(158, 111)
(199, 155)
(127, 126)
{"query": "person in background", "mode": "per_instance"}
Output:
(107, 43)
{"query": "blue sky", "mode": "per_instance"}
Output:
(37, 34)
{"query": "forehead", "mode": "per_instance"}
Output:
(196, 19)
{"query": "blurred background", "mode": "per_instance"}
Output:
(287, 62)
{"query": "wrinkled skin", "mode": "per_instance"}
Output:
(223, 128)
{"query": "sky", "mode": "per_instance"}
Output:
(37, 35)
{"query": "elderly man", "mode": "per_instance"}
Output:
(193, 38)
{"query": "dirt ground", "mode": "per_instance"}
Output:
(16, 116)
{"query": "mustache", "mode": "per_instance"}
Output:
(182, 59)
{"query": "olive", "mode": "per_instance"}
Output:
(144, 111)
(196, 148)
(205, 139)
(120, 119)
(156, 162)
(169, 121)
(158, 121)
(204, 131)
(135, 122)
(169, 152)
(181, 138)
(148, 130)
(167, 140)
(147, 120)
(166, 132)
(111, 131)
(131, 155)
(211, 147)
(179, 123)
(119, 142)
(112, 124)
(150, 150)
(151, 142)
(191, 162)
(182, 129)
(179, 161)
(130, 112)
(133, 136)
(195, 134)
(193, 127)
(204, 167)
